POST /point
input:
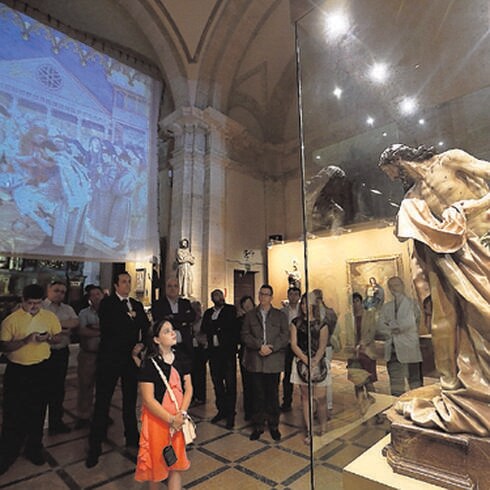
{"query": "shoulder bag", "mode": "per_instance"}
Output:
(189, 427)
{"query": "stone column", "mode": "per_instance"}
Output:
(186, 206)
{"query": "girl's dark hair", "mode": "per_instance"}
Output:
(244, 298)
(151, 346)
(314, 308)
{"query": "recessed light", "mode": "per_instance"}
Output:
(421, 122)
(379, 72)
(337, 92)
(370, 121)
(336, 24)
(408, 105)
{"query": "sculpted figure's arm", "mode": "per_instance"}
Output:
(463, 162)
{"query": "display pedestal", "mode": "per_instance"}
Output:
(453, 461)
(371, 471)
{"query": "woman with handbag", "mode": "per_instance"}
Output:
(166, 391)
(319, 366)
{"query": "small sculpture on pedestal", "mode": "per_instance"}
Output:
(185, 261)
(294, 276)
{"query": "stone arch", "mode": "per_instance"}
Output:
(169, 60)
(226, 49)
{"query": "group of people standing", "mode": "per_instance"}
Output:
(118, 342)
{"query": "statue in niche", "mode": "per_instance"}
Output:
(185, 261)
(445, 211)
(294, 276)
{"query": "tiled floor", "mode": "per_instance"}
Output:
(220, 459)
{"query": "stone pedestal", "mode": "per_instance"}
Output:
(453, 461)
(370, 471)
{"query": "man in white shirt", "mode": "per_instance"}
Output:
(398, 322)
(60, 354)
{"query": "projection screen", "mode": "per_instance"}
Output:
(78, 155)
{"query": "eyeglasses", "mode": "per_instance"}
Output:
(264, 294)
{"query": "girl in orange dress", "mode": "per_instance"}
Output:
(161, 422)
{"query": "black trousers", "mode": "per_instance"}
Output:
(56, 394)
(223, 375)
(24, 408)
(198, 374)
(265, 399)
(287, 386)
(106, 378)
(247, 387)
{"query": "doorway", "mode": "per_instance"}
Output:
(243, 285)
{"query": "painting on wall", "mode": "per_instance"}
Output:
(140, 281)
(369, 277)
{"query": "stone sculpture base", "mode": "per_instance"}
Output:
(453, 461)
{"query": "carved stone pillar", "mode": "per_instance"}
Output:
(187, 194)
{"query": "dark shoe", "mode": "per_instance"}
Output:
(60, 428)
(230, 423)
(275, 434)
(35, 457)
(285, 408)
(219, 416)
(92, 458)
(82, 424)
(256, 434)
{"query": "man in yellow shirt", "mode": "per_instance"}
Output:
(25, 337)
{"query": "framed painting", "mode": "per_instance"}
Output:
(140, 281)
(369, 277)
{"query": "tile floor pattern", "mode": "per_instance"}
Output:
(220, 459)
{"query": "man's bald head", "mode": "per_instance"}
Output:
(172, 288)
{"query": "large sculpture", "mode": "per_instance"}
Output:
(446, 212)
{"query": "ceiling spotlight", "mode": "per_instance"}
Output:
(385, 134)
(421, 122)
(336, 24)
(379, 72)
(376, 191)
(408, 105)
(369, 121)
(337, 92)
(318, 157)
(441, 143)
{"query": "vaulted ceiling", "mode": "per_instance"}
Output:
(236, 56)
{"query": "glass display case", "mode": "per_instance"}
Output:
(373, 74)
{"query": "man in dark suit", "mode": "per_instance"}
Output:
(181, 314)
(221, 327)
(265, 335)
(123, 323)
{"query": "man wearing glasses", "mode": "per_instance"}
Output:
(265, 335)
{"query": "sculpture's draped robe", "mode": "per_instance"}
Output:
(456, 266)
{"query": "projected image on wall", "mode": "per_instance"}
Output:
(77, 142)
